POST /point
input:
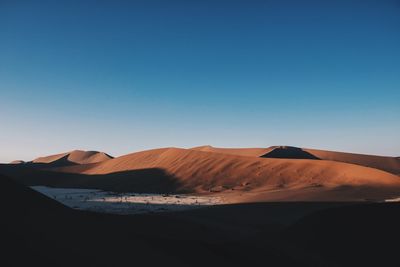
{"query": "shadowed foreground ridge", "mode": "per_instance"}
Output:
(356, 235)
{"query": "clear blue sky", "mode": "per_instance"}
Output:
(122, 76)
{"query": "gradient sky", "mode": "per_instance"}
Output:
(122, 76)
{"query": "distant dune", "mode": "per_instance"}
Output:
(73, 157)
(17, 162)
(244, 178)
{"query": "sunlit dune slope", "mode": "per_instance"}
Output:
(388, 164)
(250, 152)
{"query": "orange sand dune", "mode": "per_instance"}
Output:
(388, 164)
(242, 177)
(75, 157)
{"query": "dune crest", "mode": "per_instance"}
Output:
(250, 152)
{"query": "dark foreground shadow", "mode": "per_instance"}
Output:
(38, 231)
(288, 152)
(153, 180)
(355, 235)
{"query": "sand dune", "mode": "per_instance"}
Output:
(257, 179)
(246, 179)
(250, 152)
(74, 157)
(239, 175)
(388, 164)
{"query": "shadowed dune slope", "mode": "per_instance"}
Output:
(17, 198)
(152, 180)
(200, 172)
(289, 152)
(73, 157)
